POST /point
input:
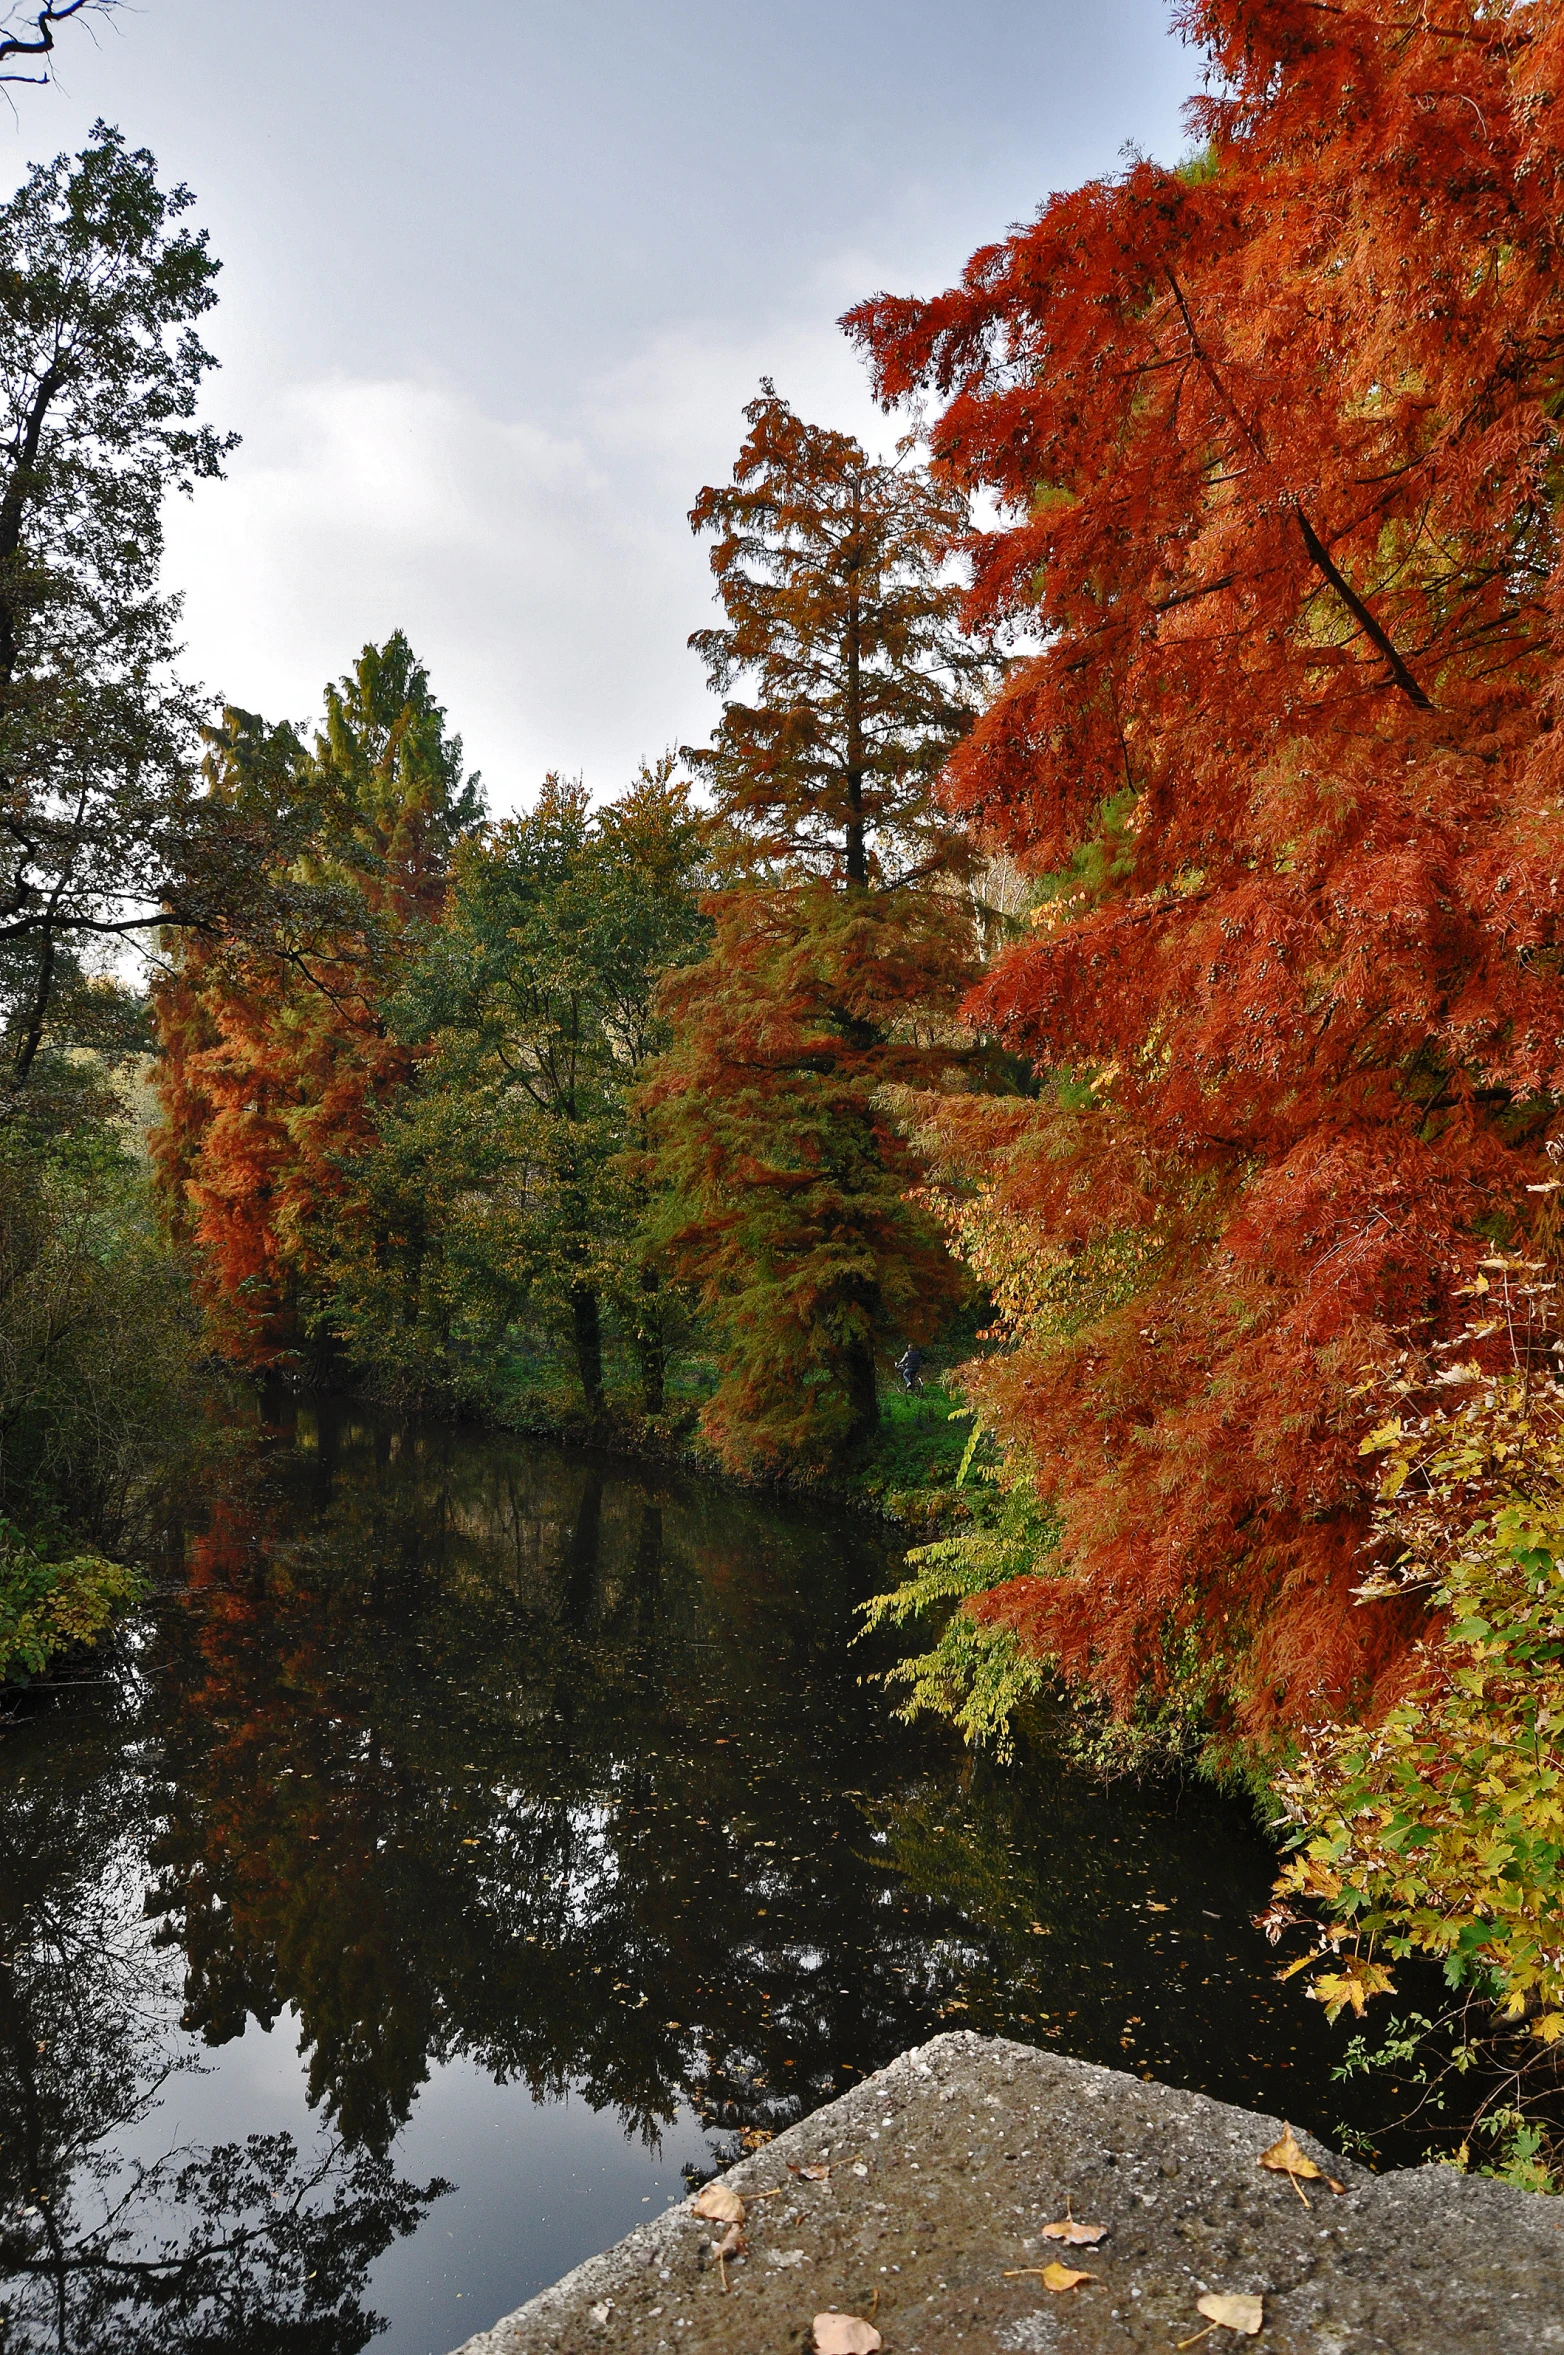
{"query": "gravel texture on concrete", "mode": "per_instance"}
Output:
(944, 2169)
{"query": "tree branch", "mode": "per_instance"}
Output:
(41, 43)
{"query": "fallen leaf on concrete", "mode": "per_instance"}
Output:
(1242, 2314)
(720, 2204)
(810, 2174)
(845, 2334)
(1053, 2276)
(732, 2243)
(1079, 2236)
(1287, 2158)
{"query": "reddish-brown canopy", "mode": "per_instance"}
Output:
(1275, 437)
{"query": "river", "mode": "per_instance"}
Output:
(481, 1837)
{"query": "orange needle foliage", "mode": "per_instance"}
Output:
(841, 946)
(1275, 441)
(276, 1055)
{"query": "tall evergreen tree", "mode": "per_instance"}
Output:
(841, 942)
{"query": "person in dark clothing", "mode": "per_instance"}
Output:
(910, 1367)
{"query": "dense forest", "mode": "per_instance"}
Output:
(1110, 948)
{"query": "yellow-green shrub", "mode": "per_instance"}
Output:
(48, 1608)
(1440, 1827)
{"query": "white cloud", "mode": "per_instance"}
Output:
(547, 577)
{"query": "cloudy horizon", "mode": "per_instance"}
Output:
(491, 310)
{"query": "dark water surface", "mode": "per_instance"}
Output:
(487, 1834)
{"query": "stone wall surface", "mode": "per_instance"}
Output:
(944, 2169)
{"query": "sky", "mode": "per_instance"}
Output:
(500, 275)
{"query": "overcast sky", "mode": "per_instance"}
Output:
(500, 276)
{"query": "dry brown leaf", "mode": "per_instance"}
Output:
(1079, 2236)
(720, 2204)
(732, 2243)
(1286, 2157)
(846, 2334)
(810, 2174)
(1242, 2314)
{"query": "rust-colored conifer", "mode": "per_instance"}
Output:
(840, 947)
(1276, 440)
(276, 1051)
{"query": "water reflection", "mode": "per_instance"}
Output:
(464, 1750)
(222, 2249)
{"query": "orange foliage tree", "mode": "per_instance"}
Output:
(841, 945)
(1274, 439)
(276, 1053)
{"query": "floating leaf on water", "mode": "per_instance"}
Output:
(845, 2334)
(1079, 2236)
(720, 2204)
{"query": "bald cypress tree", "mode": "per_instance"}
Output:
(841, 944)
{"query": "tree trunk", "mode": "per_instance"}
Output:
(863, 1393)
(650, 1345)
(587, 1323)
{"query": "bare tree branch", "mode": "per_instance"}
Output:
(40, 42)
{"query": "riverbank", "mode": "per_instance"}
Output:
(932, 2185)
(907, 1474)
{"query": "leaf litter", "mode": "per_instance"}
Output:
(1287, 2157)
(1242, 2313)
(846, 2334)
(1053, 2275)
(720, 2205)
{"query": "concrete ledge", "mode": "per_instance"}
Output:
(944, 2169)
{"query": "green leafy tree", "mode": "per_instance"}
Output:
(843, 939)
(104, 834)
(509, 1179)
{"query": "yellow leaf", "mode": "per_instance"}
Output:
(1243, 2314)
(1080, 2236)
(1288, 2157)
(1354, 1983)
(1550, 2027)
(1053, 2276)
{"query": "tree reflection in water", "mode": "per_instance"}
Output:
(491, 1753)
(226, 2250)
(461, 1747)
